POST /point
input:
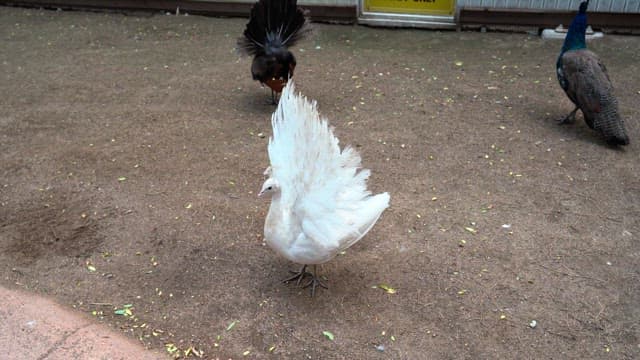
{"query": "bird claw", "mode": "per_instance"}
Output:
(569, 119)
(271, 101)
(314, 282)
(298, 275)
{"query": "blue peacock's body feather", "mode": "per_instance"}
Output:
(584, 79)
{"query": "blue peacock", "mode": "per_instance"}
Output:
(585, 80)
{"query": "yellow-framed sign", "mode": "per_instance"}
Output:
(418, 7)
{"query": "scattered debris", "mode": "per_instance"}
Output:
(191, 350)
(471, 230)
(386, 288)
(328, 334)
(171, 348)
(125, 310)
(90, 266)
(231, 325)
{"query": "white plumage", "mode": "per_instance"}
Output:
(320, 204)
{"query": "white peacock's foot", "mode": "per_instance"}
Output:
(299, 275)
(314, 283)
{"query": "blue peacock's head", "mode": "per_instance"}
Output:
(583, 7)
(575, 38)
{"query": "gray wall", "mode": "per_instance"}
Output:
(628, 6)
(300, 2)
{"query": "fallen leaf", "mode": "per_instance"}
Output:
(125, 311)
(328, 334)
(171, 348)
(233, 323)
(387, 288)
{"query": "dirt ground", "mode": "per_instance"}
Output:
(132, 149)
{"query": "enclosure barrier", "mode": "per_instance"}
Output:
(619, 15)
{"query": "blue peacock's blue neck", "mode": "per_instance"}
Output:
(575, 38)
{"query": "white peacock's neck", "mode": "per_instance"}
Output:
(277, 227)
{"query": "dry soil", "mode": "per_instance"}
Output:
(132, 148)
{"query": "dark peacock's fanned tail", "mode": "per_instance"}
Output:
(585, 80)
(273, 25)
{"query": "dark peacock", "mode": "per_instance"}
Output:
(274, 26)
(585, 80)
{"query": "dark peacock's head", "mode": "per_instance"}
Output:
(575, 38)
(583, 7)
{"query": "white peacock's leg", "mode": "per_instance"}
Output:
(315, 281)
(298, 275)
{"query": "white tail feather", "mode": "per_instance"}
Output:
(324, 205)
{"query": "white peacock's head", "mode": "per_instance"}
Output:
(270, 186)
